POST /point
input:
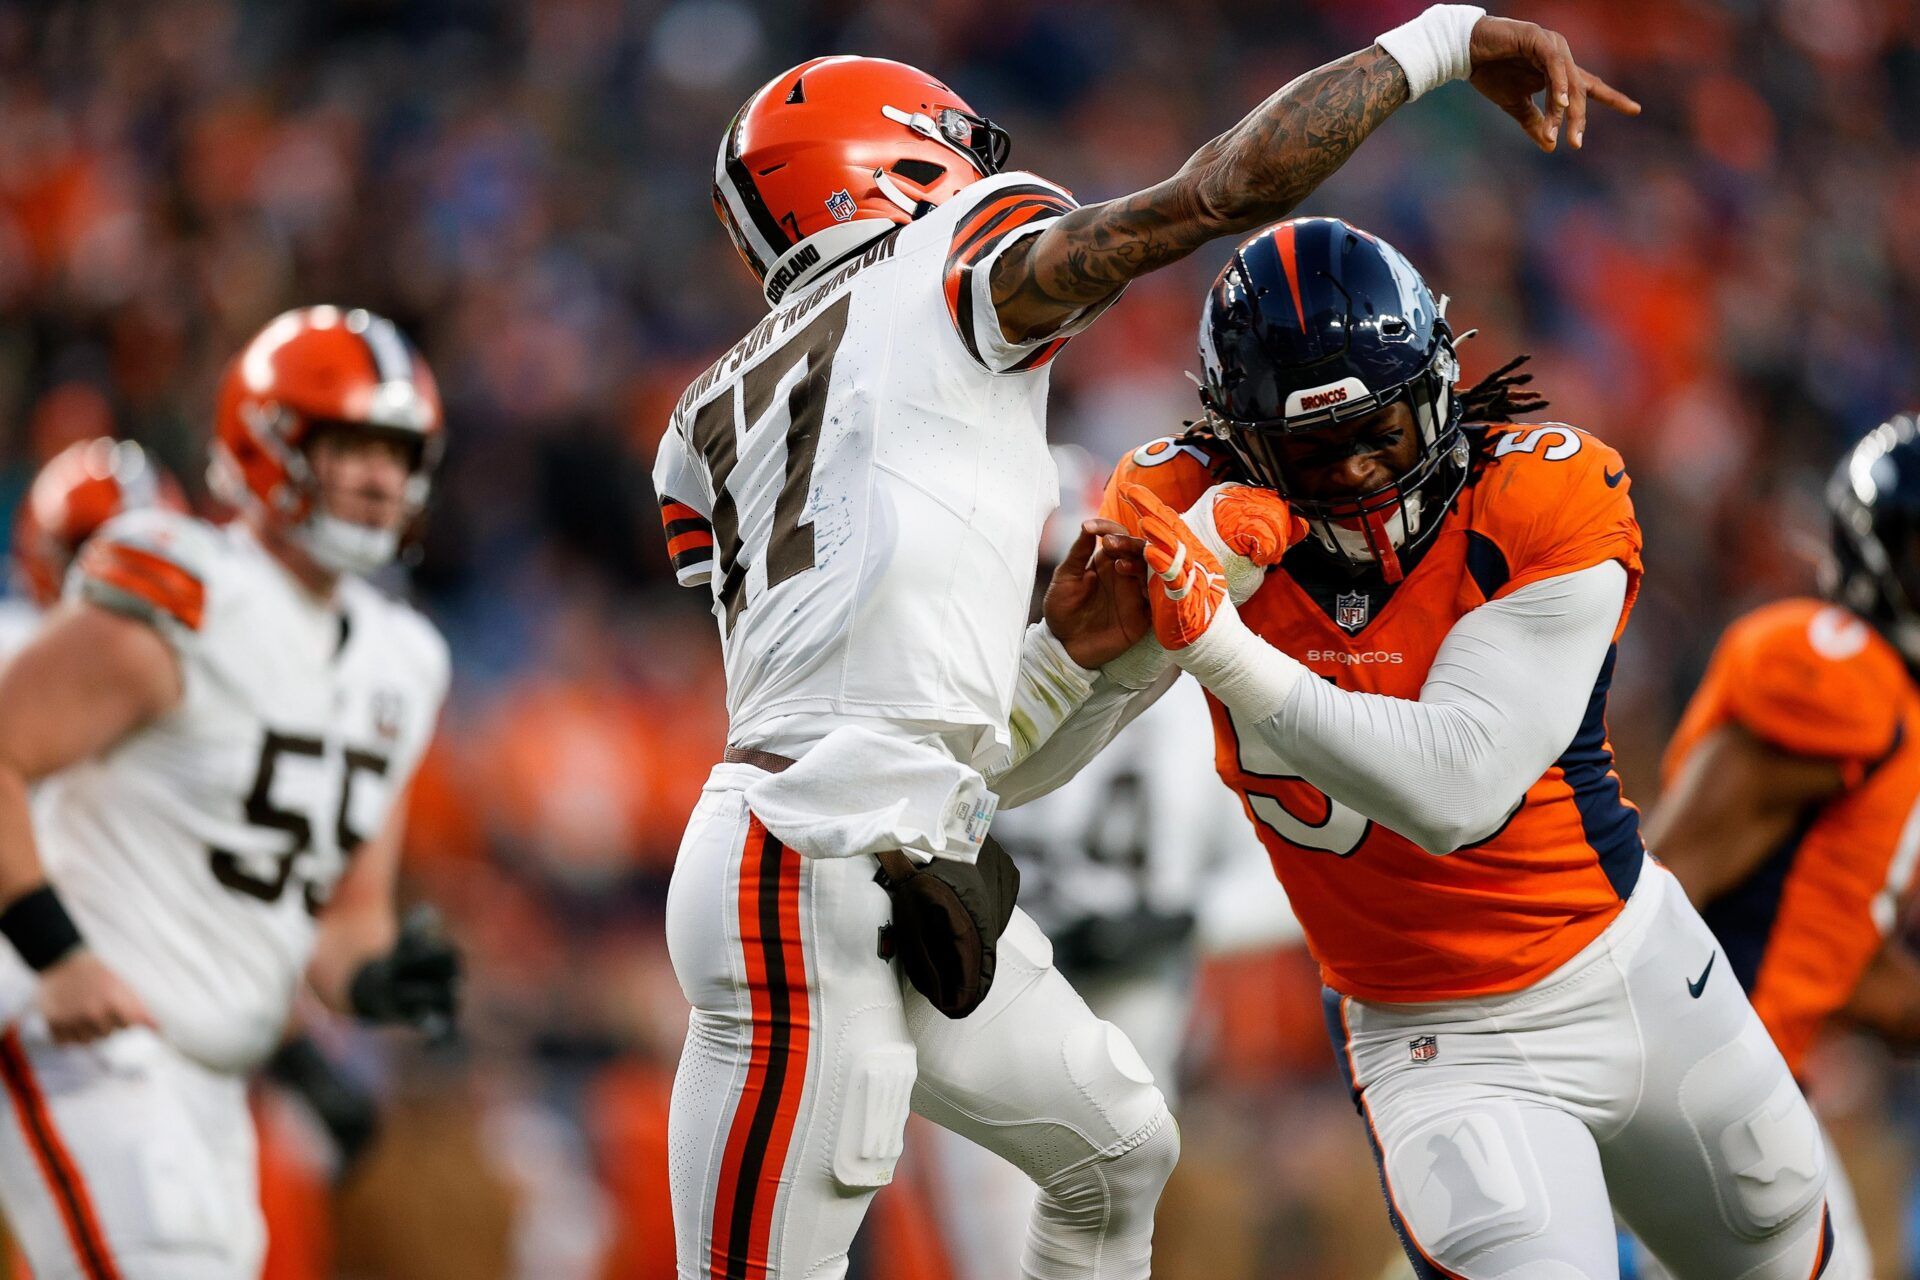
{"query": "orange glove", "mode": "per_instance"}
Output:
(1187, 588)
(1256, 523)
(1248, 530)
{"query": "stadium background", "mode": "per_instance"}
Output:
(1724, 289)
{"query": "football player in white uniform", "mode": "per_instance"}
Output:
(219, 725)
(1117, 868)
(80, 488)
(862, 480)
(1117, 864)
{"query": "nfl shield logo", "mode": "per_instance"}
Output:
(1423, 1049)
(841, 206)
(1350, 609)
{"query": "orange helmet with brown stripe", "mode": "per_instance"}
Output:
(833, 152)
(311, 369)
(82, 487)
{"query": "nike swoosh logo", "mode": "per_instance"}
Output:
(1695, 988)
(1613, 478)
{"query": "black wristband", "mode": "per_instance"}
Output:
(40, 928)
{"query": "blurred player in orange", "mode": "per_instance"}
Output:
(1792, 814)
(79, 489)
(1404, 607)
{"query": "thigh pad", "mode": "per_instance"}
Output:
(1467, 1181)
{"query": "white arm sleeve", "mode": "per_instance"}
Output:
(1107, 709)
(1504, 698)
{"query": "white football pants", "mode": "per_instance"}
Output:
(986, 1201)
(1635, 1079)
(1852, 1255)
(805, 1051)
(123, 1159)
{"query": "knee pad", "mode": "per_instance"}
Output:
(1111, 1074)
(1096, 1219)
(1466, 1182)
(1759, 1134)
(1139, 1173)
(871, 1117)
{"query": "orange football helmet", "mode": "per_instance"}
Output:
(824, 151)
(322, 367)
(82, 487)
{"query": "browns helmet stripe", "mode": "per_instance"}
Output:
(744, 202)
(392, 357)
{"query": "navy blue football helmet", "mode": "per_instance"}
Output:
(1874, 502)
(1316, 322)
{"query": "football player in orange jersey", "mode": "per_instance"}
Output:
(1404, 607)
(1792, 814)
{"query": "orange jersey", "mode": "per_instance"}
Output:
(1799, 930)
(1387, 920)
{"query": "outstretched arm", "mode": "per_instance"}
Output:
(1263, 167)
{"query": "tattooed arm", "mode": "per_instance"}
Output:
(1263, 167)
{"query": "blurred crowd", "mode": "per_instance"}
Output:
(1725, 289)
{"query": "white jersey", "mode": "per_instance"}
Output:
(196, 852)
(1116, 864)
(863, 479)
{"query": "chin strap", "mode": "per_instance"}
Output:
(1380, 542)
(891, 190)
(345, 547)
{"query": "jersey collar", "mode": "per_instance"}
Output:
(820, 253)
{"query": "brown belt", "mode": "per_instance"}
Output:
(759, 759)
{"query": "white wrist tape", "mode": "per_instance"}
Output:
(1435, 47)
(1049, 688)
(1251, 676)
(1139, 666)
(1243, 575)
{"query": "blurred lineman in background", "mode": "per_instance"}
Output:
(80, 488)
(862, 481)
(219, 726)
(1405, 607)
(1116, 868)
(1792, 811)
